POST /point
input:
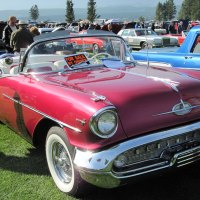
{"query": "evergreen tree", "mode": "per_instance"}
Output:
(141, 19)
(164, 12)
(159, 11)
(34, 12)
(195, 8)
(91, 12)
(171, 9)
(70, 12)
(186, 10)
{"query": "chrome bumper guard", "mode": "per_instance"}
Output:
(182, 147)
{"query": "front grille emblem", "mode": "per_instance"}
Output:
(182, 108)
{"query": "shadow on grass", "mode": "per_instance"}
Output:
(34, 162)
(181, 184)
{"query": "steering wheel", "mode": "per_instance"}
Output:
(100, 54)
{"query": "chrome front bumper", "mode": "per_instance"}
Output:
(98, 168)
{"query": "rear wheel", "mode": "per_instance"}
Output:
(59, 154)
(144, 45)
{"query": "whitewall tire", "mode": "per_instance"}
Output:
(60, 161)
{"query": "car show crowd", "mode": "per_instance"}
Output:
(17, 34)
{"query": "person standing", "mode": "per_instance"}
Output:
(11, 27)
(171, 28)
(180, 27)
(21, 38)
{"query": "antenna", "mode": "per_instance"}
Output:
(148, 64)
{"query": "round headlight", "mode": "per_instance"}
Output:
(104, 123)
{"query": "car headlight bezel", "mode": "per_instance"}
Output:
(100, 115)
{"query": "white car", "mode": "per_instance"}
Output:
(141, 38)
(74, 27)
(45, 30)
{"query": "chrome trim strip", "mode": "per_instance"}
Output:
(158, 165)
(142, 173)
(169, 82)
(43, 114)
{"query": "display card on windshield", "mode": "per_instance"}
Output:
(75, 59)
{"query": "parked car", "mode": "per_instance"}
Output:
(101, 118)
(74, 26)
(186, 56)
(139, 38)
(45, 30)
(180, 37)
(91, 44)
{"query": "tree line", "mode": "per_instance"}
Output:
(190, 10)
(91, 11)
(164, 11)
(70, 16)
(167, 10)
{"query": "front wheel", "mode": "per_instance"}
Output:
(146, 45)
(59, 154)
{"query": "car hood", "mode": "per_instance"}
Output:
(144, 103)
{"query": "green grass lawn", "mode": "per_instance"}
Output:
(24, 176)
(24, 173)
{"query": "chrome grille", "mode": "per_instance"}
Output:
(187, 157)
(166, 41)
(177, 151)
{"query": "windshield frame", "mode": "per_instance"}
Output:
(66, 37)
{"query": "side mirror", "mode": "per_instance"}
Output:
(8, 60)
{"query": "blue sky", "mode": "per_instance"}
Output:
(26, 4)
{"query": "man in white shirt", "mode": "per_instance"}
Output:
(11, 27)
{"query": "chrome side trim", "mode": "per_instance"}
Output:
(165, 81)
(43, 114)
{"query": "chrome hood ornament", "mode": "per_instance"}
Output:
(97, 97)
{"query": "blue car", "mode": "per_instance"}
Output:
(186, 56)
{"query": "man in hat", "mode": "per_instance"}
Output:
(21, 38)
(11, 26)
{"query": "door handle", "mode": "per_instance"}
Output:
(188, 57)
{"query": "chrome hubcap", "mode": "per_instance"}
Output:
(62, 163)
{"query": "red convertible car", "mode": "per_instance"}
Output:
(101, 118)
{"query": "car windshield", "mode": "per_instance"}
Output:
(144, 32)
(77, 52)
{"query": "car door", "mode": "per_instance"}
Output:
(10, 110)
(192, 57)
(132, 38)
(191, 60)
(125, 34)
